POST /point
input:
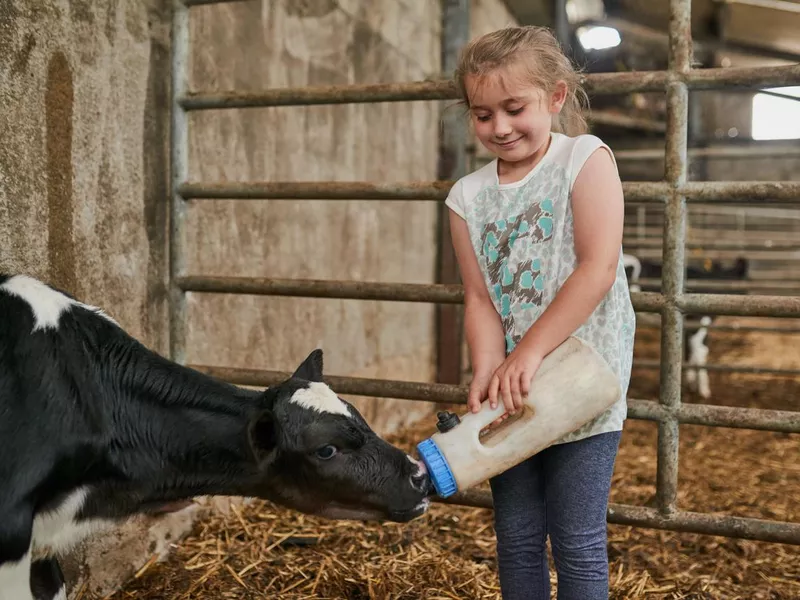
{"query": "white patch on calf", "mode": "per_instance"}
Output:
(421, 469)
(698, 355)
(15, 579)
(62, 594)
(318, 396)
(46, 303)
(56, 531)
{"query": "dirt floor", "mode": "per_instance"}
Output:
(261, 551)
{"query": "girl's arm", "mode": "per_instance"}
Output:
(598, 213)
(482, 324)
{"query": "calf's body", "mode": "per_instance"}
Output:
(95, 427)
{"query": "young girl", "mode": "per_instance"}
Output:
(538, 237)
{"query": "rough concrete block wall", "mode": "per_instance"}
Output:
(83, 152)
(83, 185)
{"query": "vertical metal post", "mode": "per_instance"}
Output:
(452, 165)
(673, 253)
(178, 174)
(561, 25)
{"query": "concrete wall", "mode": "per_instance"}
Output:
(83, 152)
(83, 186)
(84, 90)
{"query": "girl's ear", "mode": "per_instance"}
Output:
(559, 96)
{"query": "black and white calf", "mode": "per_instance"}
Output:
(95, 427)
(695, 333)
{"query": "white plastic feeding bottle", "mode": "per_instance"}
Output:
(572, 386)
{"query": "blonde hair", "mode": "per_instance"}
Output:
(536, 50)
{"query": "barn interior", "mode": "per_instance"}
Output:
(95, 141)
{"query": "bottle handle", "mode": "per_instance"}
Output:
(484, 416)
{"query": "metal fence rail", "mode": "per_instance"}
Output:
(598, 83)
(674, 193)
(766, 192)
(697, 414)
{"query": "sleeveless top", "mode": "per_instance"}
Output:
(522, 234)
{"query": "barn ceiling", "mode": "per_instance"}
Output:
(746, 29)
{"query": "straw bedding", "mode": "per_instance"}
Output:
(259, 550)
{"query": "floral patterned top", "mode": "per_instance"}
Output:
(522, 234)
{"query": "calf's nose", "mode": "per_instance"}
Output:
(422, 482)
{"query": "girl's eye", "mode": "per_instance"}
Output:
(515, 112)
(326, 452)
(483, 118)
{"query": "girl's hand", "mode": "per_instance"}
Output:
(478, 388)
(512, 379)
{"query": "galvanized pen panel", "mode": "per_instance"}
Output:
(672, 302)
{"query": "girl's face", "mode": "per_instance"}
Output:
(511, 119)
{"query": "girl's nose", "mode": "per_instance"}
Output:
(502, 127)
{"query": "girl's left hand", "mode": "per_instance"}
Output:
(512, 379)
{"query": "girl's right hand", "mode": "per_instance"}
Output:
(478, 389)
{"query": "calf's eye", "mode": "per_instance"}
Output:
(326, 452)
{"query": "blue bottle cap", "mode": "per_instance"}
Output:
(438, 469)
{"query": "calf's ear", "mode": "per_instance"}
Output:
(311, 368)
(262, 435)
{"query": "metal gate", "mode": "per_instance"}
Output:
(674, 192)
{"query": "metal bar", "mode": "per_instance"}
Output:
(710, 415)
(776, 215)
(357, 290)
(743, 77)
(329, 94)
(452, 165)
(729, 192)
(722, 237)
(561, 26)
(647, 301)
(654, 191)
(718, 304)
(316, 288)
(775, 256)
(453, 293)
(689, 522)
(732, 284)
(178, 172)
(744, 306)
(692, 522)
(595, 83)
(356, 386)
(727, 328)
(654, 364)
(317, 190)
(714, 244)
(445, 393)
(673, 261)
(721, 152)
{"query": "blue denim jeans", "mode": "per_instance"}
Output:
(561, 492)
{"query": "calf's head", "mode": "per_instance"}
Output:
(316, 454)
